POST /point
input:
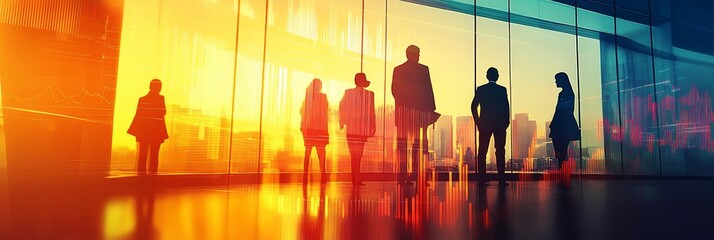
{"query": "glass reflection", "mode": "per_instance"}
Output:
(234, 86)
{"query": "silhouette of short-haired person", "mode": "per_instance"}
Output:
(414, 104)
(149, 128)
(357, 115)
(492, 120)
(313, 125)
(563, 127)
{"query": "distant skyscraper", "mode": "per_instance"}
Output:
(465, 135)
(524, 135)
(444, 137)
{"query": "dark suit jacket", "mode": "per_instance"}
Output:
(148, 124)
(411, 87)
(413, 95)
(493, 101)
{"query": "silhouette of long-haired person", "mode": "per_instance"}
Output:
(149, 128)
(357, 115)
(564, 128)
(491, 114)
(313, 125)
(414, 106)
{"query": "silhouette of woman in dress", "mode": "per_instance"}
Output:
(357, 115)
(563, 127)
(149, 128)
(313, 125)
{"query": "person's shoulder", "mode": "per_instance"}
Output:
(487, 85)
(350, 92)
(400, 66)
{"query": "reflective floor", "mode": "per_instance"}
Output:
(591, 209)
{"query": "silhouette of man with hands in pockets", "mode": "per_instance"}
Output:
(492, 120)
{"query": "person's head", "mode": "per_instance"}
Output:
(413, 54)
(361, 80)
(155, 86)
(492, 74)
(562, 81)
(315, 86)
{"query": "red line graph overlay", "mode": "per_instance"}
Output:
(58, 95)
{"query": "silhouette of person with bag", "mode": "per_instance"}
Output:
(414, 111)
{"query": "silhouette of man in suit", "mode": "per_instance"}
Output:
(414, 102)
(492, 120)
(149, 127)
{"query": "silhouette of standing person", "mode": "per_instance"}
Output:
(313, 125)
(149, 128)
(492, 120)
(357, 114)
(563, 127)
(414, 104)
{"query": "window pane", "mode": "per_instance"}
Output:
(318, 39)
(492, 50)
(599, 98)
(195, 64)
(537, 55)
(446, 43)
(637, 97)
(249, 64)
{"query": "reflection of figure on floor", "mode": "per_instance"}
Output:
(492, 120)
(357, 115)
(501, 224)
(313, 227)
(145, 216)
(313, 125)
(493, 222)
(149, 128)
(414, 111)
(566, 216)
(564, 128)
(483, 217)
(407, 211)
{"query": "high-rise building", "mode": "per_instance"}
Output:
(443, 138)
(465, 136)
(524, 136)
